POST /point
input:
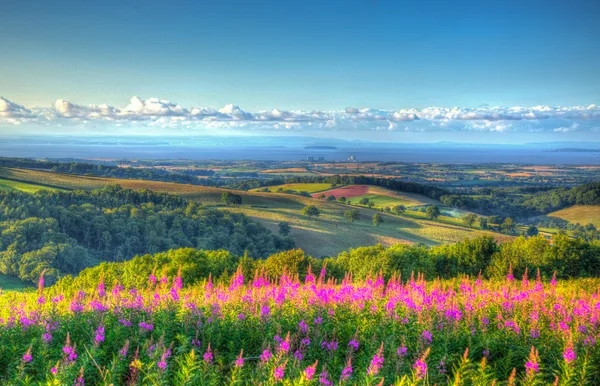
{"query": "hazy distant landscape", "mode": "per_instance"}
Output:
(292, 149)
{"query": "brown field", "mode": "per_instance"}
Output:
(578, 214)
(289, 170)
(346, 191)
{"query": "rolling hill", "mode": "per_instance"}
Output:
(327, 235)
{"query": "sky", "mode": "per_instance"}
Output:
(497, 71)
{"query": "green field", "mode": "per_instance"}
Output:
(11, 283)
(382, 198)
(23, 186)
(324, 236)
(310, 188)
(582, 214)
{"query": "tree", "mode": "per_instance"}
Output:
(284, 228)
(331, 198)
(508, 226)
(364, 201)
(483, 222)
(231, 199)
(399, 209)
(370, 204)
(470, 219)
(433, 212)
(321, 196)
(352, 215)
(532, 231)
(342, 199)
(310, 211)
(377, 219)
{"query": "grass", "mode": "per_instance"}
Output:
(310, 188)
(7, 184)
(382, 197)
(582, 214)
(327, 235)
(11, 283)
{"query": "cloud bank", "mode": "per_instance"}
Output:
(169, 117)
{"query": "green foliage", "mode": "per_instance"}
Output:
(470, 219)
(377, 219)
(284, 228)
(433, 212)
(352, 215)
(310, 211)
(64, 232)
(231, 199)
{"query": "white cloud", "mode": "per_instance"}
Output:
(10, 109)
(161, 114)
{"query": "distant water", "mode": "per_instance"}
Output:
(294, 153)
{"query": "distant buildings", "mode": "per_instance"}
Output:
(352, 158)
(311, 159)
(320, 158)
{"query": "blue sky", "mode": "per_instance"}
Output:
(302, 55)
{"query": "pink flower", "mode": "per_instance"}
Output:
(376, 362)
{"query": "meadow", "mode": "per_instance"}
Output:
(7, 184)
(310, 188)
(578, 214)
(464, 331)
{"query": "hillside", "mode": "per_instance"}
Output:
(325, 236)
(577, 214)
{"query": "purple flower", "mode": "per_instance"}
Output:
(402, 351)
(146, 326)
(376, 362)
(279, 373)
(208, 355)
(27, 357)
(47, 338)
(420, 369)
(309, 372)
(324, 378)
(353, 344)
(99, 338)
(346, 372)
(266, 355)
(427, 336)
(303, 326)
(162, 365)
(569, 354)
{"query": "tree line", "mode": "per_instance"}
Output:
(564, 258)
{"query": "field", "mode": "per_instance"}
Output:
(11, 283)
(6, 184)
(581, 214)
(327, 235)
(310, 188)
(288, 332)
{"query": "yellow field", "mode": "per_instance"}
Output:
(582, 214)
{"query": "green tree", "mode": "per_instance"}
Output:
(433, 212)
(469, 219)
(399, 209)
(364, 201)
(370, 204)
(508, 226)
(331, 198)
(483, 222)
(284, 228)
(342, 199)
(231, 199)
(532, 230)
(377, 219)
(311, 211)
(352, 215)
